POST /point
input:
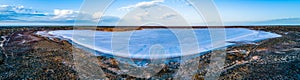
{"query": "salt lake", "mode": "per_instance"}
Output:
(157, 43)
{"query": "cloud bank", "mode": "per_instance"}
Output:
(12, 13)
(143, 5)
(21, 14)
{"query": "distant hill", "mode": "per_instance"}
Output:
(286, 21)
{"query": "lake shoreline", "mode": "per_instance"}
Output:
(149, 38)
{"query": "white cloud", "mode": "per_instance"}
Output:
(21, 14)
(97, 15)
(17, 9)
(65, 14)
(13, 13)
(143, 5)
(71, 15)
(141, 16)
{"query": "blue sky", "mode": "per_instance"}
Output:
(232, 12)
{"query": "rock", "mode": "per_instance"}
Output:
(255, 57)
(278, 52)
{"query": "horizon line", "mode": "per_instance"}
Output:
(241, 26)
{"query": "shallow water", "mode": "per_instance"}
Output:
(156, 43)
